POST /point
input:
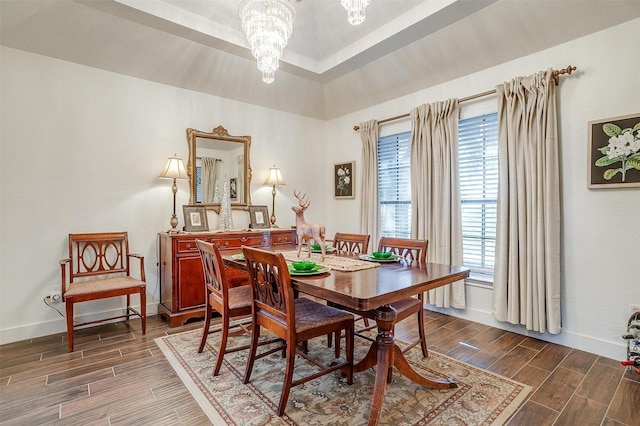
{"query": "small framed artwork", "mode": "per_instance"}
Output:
(259, 216)
(614, 152)
(195, 218)
(344, 180)
(233, 189)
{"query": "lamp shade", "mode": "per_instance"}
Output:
(174, 169)
(274, 177)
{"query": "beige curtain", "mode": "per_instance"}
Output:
(240, 184)
(370, 200)
(209, 166)
(435, 192)
(527, 271)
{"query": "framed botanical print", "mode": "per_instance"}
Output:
(195, 218)
(344, 180)
(614, 152)
(259, 216)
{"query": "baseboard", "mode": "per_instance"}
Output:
(613, 350)
(31, 331)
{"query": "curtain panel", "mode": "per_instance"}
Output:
(435, 192)
(209, 166)
(527, 270)
(370, 203)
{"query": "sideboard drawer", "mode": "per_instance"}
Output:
(279, 238)
(237, 241)
(189, 246)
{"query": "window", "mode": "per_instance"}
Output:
(478, 148)
(478, 168)
(198, 184)
(394, 185)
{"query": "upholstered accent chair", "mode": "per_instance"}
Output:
(98, 267)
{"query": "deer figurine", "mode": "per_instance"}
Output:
(307, 231)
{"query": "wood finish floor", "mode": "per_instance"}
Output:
(119, 377)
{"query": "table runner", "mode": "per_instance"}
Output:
(338, 263)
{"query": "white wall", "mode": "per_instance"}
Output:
(81, 151)
(601, 228)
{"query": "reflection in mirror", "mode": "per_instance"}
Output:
(216, 158)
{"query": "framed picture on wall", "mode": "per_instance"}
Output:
(614, 152)
(259, 216)
(344, 180)
(195, 218)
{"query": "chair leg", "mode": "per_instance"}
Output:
(128, 306)
(143, 309)
(329, 340)
(288, 378)
(338, 335)
(423, 339)
(255, 333)
(205, 328)
(223, 344)
(70, 324)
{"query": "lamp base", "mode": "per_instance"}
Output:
(174, 224)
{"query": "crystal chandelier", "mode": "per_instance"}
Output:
(355, 10)
(267, 25)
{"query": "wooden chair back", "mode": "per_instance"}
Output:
(411, 249)
(215, 280)
(273, 296)
(351, 243)
(98, 254)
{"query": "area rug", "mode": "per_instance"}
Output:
(481, 398)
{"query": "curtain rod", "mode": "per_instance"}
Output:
(555, 75)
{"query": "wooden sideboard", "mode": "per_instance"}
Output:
(182, 293)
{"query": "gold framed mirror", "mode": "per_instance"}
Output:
(217, 157)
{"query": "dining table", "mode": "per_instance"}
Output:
(375, 289)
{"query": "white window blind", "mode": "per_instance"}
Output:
(478, 157)
(198, 184)
(394, 185)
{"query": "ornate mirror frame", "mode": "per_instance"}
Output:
(217, 136)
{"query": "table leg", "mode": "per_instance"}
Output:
(384, 353)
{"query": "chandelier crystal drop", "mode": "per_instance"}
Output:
(268, 25)
(355, 10)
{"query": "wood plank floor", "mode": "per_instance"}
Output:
(119, 377)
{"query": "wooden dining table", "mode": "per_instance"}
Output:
(376, 289)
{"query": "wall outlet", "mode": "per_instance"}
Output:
(55, 295)
(633, 309)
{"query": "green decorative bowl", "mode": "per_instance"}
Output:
(382, 254)
(318, 247)
(303, 266)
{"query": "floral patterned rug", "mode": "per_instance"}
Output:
(482, 398)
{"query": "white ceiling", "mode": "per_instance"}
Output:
(329, 67)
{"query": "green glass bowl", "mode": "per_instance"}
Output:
(382, 254)
(303, 266)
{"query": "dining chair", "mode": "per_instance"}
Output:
(412, 250)
(230, 297)
(351, 243)
(295, 320)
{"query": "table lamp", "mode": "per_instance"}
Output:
(174, 169)
(274, 178)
